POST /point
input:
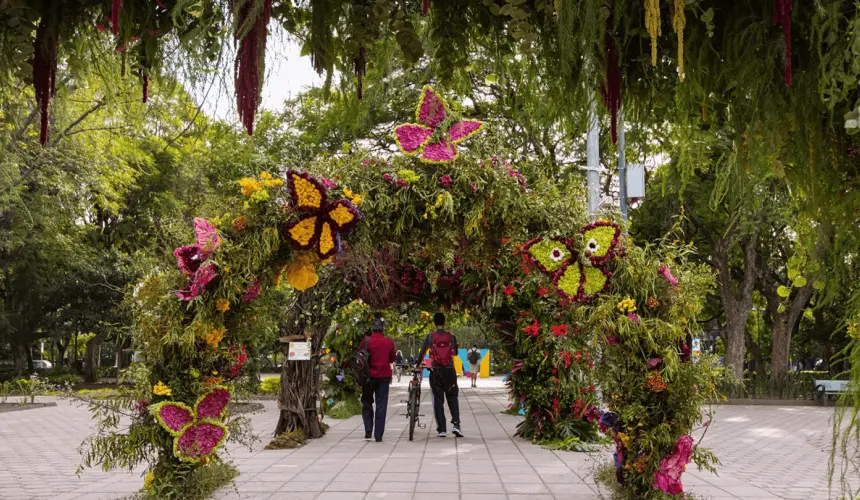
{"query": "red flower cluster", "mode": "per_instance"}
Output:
(543, 291)
(565, 356)
(533, 329)
(241, 356)
(509, 290)
(559, 330)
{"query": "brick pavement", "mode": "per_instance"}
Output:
(766, 453)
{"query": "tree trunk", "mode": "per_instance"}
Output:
(21, 349)
(737, 301)
(91, 362)
(755, 350)
(784, 324)
(300, 385)
(61, 352)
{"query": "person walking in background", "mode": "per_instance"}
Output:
(381, 354)
(398, 364)
(474, 357)
(443, 382)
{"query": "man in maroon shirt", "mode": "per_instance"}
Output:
(381, 352)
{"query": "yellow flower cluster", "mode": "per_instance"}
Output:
(652, 24)
(160, 389)
(627, 305)
(408, 175)
(431, 209)
(223, 305)
(425, 316)
(307, 194)
(210, 381)
(148, 479)
(301, 274)
(267, 180)
(341, 215)
(326, 239)
(214, 337)
(625, 439)
(304, 231)
(249, 185)
(853, 331)
(679, 21)
(356, 199)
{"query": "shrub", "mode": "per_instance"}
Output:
(349, 407)
(271, 385)
(64, 379)
(288, 440)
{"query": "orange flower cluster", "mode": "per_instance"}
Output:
(655, 382)
(652, 303)
(240, 223)
(214, 337)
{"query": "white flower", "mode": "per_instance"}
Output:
(592, 245)
(556, 254)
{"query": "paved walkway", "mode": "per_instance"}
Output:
(766, 452)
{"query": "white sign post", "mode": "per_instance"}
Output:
(299, 351)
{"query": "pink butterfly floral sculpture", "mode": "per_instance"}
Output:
(197, 432)
(436, 134)
(192, 259)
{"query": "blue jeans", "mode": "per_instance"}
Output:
(376, 389)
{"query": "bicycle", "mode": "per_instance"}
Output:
(413, 403)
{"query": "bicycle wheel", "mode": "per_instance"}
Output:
(413, 412)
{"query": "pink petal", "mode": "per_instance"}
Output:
(431, 108)
(439, 152)
(411, 137)
(200, 440)
(463, 129)
(207, 236)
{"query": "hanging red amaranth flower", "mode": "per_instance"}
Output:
(248, 74)
(145, 85)
(114, 16)
(425, 7)
(611, 89)
(45, 59)
(782, 15)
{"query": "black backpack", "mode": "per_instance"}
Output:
(474, 356)
(361, 364)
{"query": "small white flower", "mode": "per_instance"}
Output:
(556, 254)
(592, 245)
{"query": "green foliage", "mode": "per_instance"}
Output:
(347, 407)
(288, 440)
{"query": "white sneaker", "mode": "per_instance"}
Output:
(442, 434)
(457, 432)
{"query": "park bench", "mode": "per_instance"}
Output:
(826, 388)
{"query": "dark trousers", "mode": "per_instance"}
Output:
(443, 383)
(376, 389)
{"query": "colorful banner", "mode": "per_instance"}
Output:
(462, 354)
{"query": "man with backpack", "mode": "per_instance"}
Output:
(443, 381)
(373, 374)
(474, 357)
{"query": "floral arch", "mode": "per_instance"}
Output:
(575, 303)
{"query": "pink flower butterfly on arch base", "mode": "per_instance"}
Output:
(422, 138)
(196, 432)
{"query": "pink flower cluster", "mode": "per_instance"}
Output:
(213, 404)
(668, 275)
(327, 183)
(512, 172)
(668, 478)
(252, 292)
(175, 417)
(200, 440)
(190, 259)
(241, 356)
(446, 181)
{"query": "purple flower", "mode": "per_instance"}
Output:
(403, 184)
(188, 258)
(207, 237)
(141, 405)
(327, 183)
(174, 417)
(612, 339)
(608, 420)
(365, 162)
(446, 181)
(387, 177)
(340, 376)
(633, 317)
(653, 362)
(473, 187)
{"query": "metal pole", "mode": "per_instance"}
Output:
(593, 159)
(622, 170)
